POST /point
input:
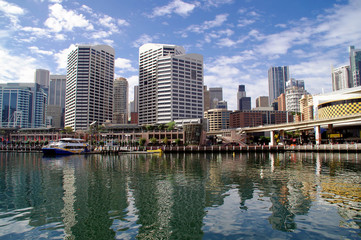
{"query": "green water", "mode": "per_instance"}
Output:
(181, 196)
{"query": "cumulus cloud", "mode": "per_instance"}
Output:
(12, 11)
(124, 65)
(36, 50)
(61, 19)
(176, 6)
(62, 56)
(19, 68)
(143, 39)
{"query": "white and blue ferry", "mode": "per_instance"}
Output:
(66, 146)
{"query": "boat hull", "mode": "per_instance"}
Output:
(59, 151)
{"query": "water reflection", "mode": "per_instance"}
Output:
(180, 196)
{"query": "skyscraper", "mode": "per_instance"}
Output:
(56, 101)
(341, 78)
(355, 66)
(215, 95)
(120, 101)
(262, 101)
(243, 102)
(42, 77)
(277, 78)
(170, 84)
(23, 105)
(89, 88)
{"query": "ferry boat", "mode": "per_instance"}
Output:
(66, 146)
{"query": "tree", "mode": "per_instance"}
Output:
(177, 141)
(153, 140)
(161, 126)
(165, 141)
(142, 141)
(170, 125)
(68, 129)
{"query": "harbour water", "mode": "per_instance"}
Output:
(287, 195)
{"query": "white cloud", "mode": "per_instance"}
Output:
(216, 3)
(143, 39)
(124, 65)
(35, 31)
(217, 22)
(62, 56)
(61, 19)
(132, 81)
(10, 8)
(176, 6)
(19, 68)
(36, 50)
(12, 11)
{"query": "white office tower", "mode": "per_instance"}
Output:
(294, 93)
(56, 101)
(341, 78)
(89, 87)
(170, 84)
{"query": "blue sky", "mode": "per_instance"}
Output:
(239, 39)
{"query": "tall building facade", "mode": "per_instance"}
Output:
(262, 101)
(215, 95)
(217, 119)
(341, 78)
(120, 101)
(355, 66)
(23, 105)
(42, 77)
(294, 93)
(206, 99)
(89, 88)
(56, 101)
(243, 102)
(277, 78)
(170, 84)
(306, 107)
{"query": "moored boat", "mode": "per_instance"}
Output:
(159, 150)
(66, 146)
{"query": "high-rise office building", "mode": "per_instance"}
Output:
(23, 105)
(206, 99)
(341, 78)
(170, 84)
(293, 96)
(89, 87)
(215, 95)
(243, 102)
(136, 99)
(42, 77)
(56, 101)
(120, 101)
(262, 101)
(277, 78)
(306, 107)
(355, 66)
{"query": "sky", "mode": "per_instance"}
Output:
(239, 39)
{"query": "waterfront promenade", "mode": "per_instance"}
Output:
(216, 148)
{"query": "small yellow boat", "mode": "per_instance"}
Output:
(155, 151)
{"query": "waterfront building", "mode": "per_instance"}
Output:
(217, 119)
(253, 118)
(306, 107)
(56, 101)
(215, 95)
(280, 103)
(23, 105)
(136, 99)
(355, 66)
(120, 101)
(277, 78)
(89, 88)
(170, 84)
(339, 103)
(341, 78)
(262, 101)
(243, 102)
(294, 93)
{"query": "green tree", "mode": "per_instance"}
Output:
(153, 140)
(68, 129)
(170, 126)
(165, 141)
(177, 141)
(142, 141)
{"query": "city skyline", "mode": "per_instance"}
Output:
(239, 40)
